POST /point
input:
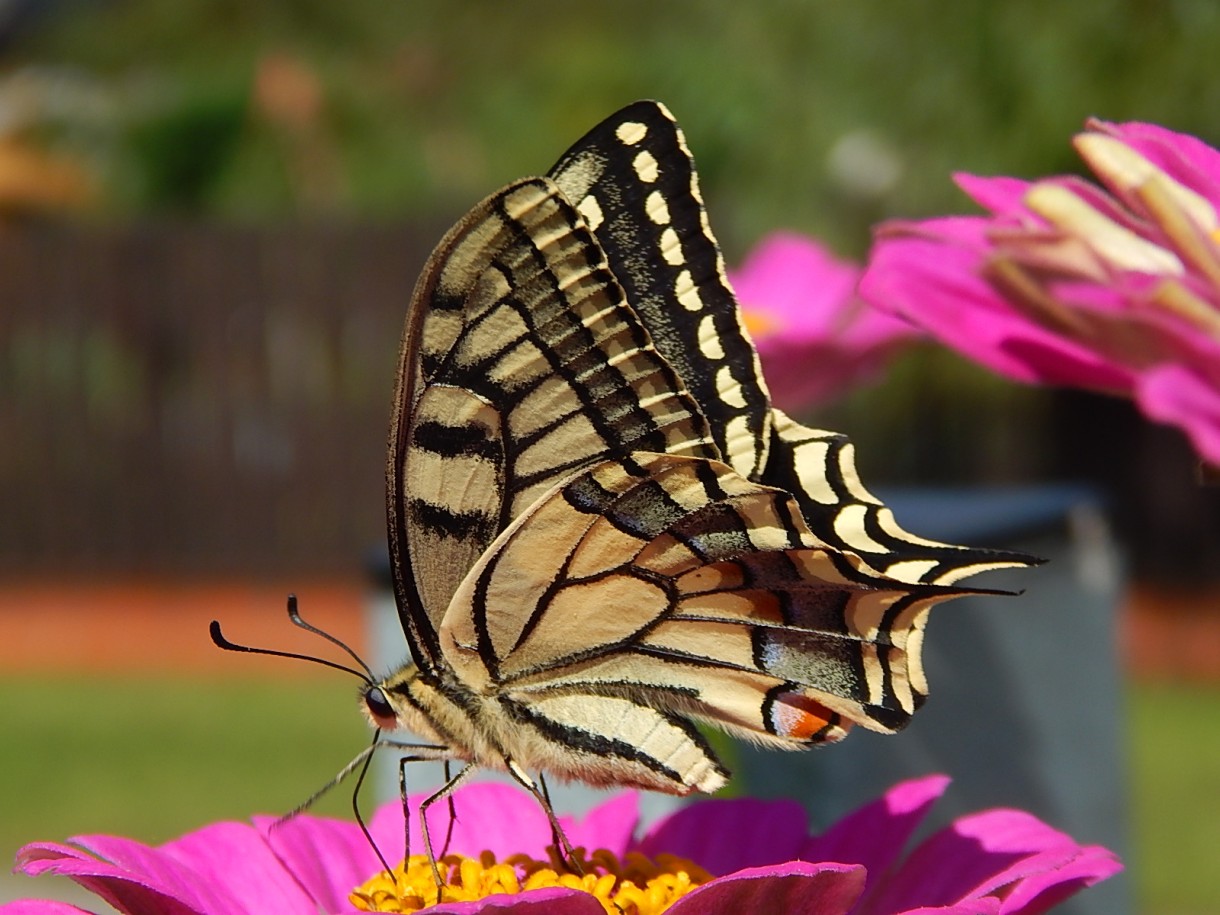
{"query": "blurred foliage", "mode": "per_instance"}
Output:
(427, 105)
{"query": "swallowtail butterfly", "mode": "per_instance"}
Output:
(601, 532)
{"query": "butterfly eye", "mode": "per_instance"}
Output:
(379, 708)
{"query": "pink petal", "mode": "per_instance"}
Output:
(328, 857)
(988, 851)
(237, 857)
(988, 905)
(1002, 196)
(608, 825)
(549, 901)
(930, 274)
(794, 889)
(1184, 158)
(1175, 395)
(876, 834)
(803, 374)
(138, 879)
(40, 907)
(491, 816)
(1041, 892)
(797, 282)
(819, 337)
(723, 836)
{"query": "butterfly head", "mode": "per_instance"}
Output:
(408, 700)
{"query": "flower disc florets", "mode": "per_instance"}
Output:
(635, 885)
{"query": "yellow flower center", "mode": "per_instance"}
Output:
(634, 886)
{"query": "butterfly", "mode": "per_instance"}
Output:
(601, 533)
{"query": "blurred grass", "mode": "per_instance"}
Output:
(1175, 749)
(153, 758)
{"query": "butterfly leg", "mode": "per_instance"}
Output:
(452, 813)
(446, 791)
(546, 794)
(561, 840)
(419, 753)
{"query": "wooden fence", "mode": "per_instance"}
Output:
(187, 398)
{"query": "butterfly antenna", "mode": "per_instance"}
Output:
(364, 673)
(219, 640)
(298, 620)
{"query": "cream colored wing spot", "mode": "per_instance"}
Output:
(686, 292)
(709, 340)
(889, 524)
(656, 208)
(728, 388)
(910, 570)
(630, 133)
(646, 167)
(951, 576)
(851, 479)
(741, 444)
(874, 673)
(671, 247)
(591, 210)
(849, 525)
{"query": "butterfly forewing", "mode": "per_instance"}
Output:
(634, 180)
(521, 362)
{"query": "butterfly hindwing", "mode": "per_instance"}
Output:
(818, 468)
(521, 362)
(676, 584)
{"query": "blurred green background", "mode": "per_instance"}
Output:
(258, 120)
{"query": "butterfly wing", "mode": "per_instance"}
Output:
(520, 362)
(634, 178)
(661, 589)
(818, 468)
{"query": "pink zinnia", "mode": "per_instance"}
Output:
(814, 335)
(1067, 284)
(749, 856)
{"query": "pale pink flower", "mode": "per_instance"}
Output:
(814, 335)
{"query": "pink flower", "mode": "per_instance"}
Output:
(1114, 289)
(815, 337)
(759, 853)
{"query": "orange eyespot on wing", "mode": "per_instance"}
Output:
(795, 715)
